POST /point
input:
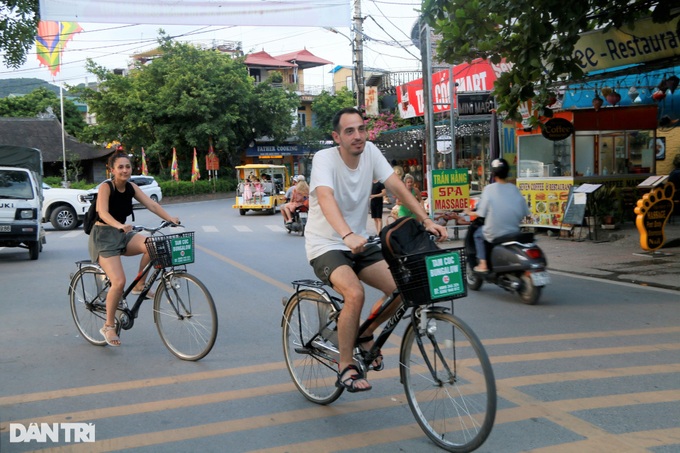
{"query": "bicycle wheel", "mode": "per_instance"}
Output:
(185, 316)
(87, 293)
(312, 360)
(454, 398)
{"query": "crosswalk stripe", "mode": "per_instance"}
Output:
(243, 229)
(210, 229)
(74, 233)
(276, 227)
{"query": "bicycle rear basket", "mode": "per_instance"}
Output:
(171, 249)
(423, 278)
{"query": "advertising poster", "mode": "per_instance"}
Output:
(450, 190)
(547, 200)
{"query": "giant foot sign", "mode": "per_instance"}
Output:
(653, 211)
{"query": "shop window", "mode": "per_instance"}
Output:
(618, 153)
(541, 158)
(641, 151)
(585, 155)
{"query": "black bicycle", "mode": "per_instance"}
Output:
(183, 309)
(446, 373)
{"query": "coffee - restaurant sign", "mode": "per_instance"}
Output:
(557, 129)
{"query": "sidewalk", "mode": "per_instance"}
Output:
(616, 255)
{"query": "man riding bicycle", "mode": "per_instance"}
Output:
(335, 235)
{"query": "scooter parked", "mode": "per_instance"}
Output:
(515, 263)
(299, 220)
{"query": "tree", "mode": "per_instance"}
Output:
(18, 24)
(186, 98)
(326, 105)
(40, 102)
(537, 36)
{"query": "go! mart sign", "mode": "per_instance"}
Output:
(53, 432)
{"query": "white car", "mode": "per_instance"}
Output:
(64, 208)
(148, 185)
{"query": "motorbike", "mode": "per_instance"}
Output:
(299, 221)
(515, 263)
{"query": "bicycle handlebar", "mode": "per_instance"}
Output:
(163, 224)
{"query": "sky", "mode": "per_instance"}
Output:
(387, 28)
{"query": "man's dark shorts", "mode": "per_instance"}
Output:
(325, 264)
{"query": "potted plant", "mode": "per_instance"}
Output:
(607, 205)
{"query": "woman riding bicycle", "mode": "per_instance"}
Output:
(111, 237)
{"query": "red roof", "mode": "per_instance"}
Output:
(304, 59)
(262, 58)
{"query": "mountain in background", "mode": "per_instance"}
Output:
(25, 86)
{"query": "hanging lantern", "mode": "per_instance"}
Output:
(606, 91)
(659, 95)
(597, 102)
(672, 83)
(613, 98)
(633, 94)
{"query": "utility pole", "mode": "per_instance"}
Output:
(359, 53)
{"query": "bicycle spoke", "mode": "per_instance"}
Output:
(185, 316)
(449, 383)
(311, 360)
(88, 302)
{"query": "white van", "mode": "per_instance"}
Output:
(21, 199)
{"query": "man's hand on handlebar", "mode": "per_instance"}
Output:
(438, 230)
(355, 242)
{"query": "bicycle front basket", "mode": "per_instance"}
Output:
(171, 249)
(423, 278)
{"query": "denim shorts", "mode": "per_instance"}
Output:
(325, 264)
(107, 241)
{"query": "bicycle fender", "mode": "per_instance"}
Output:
(323, 295)
(85, 266)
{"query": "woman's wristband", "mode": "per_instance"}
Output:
(348, 234)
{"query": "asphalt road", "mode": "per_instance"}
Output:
(593, 367)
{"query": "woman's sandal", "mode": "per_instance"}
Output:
(349, 382)
(110, 341)
(379, 358)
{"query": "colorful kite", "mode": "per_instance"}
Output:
(195, 171)
(51, 41)
(174, 171)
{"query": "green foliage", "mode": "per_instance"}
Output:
(326, 105)
(275, 77)
(186, 98)
(310, 137)
(536, 36)
(187, 188)
(25, 85)
(73, 167)
(18, 23)
(381, 123)
(40, 101)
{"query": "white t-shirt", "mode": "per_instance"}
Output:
(351, 188)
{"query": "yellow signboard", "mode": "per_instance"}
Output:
(450, 190)
(648, 41)
(547, 200)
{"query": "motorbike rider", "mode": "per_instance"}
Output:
(502, 206)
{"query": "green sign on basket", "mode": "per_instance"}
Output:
(182, 250)
(444, 275)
